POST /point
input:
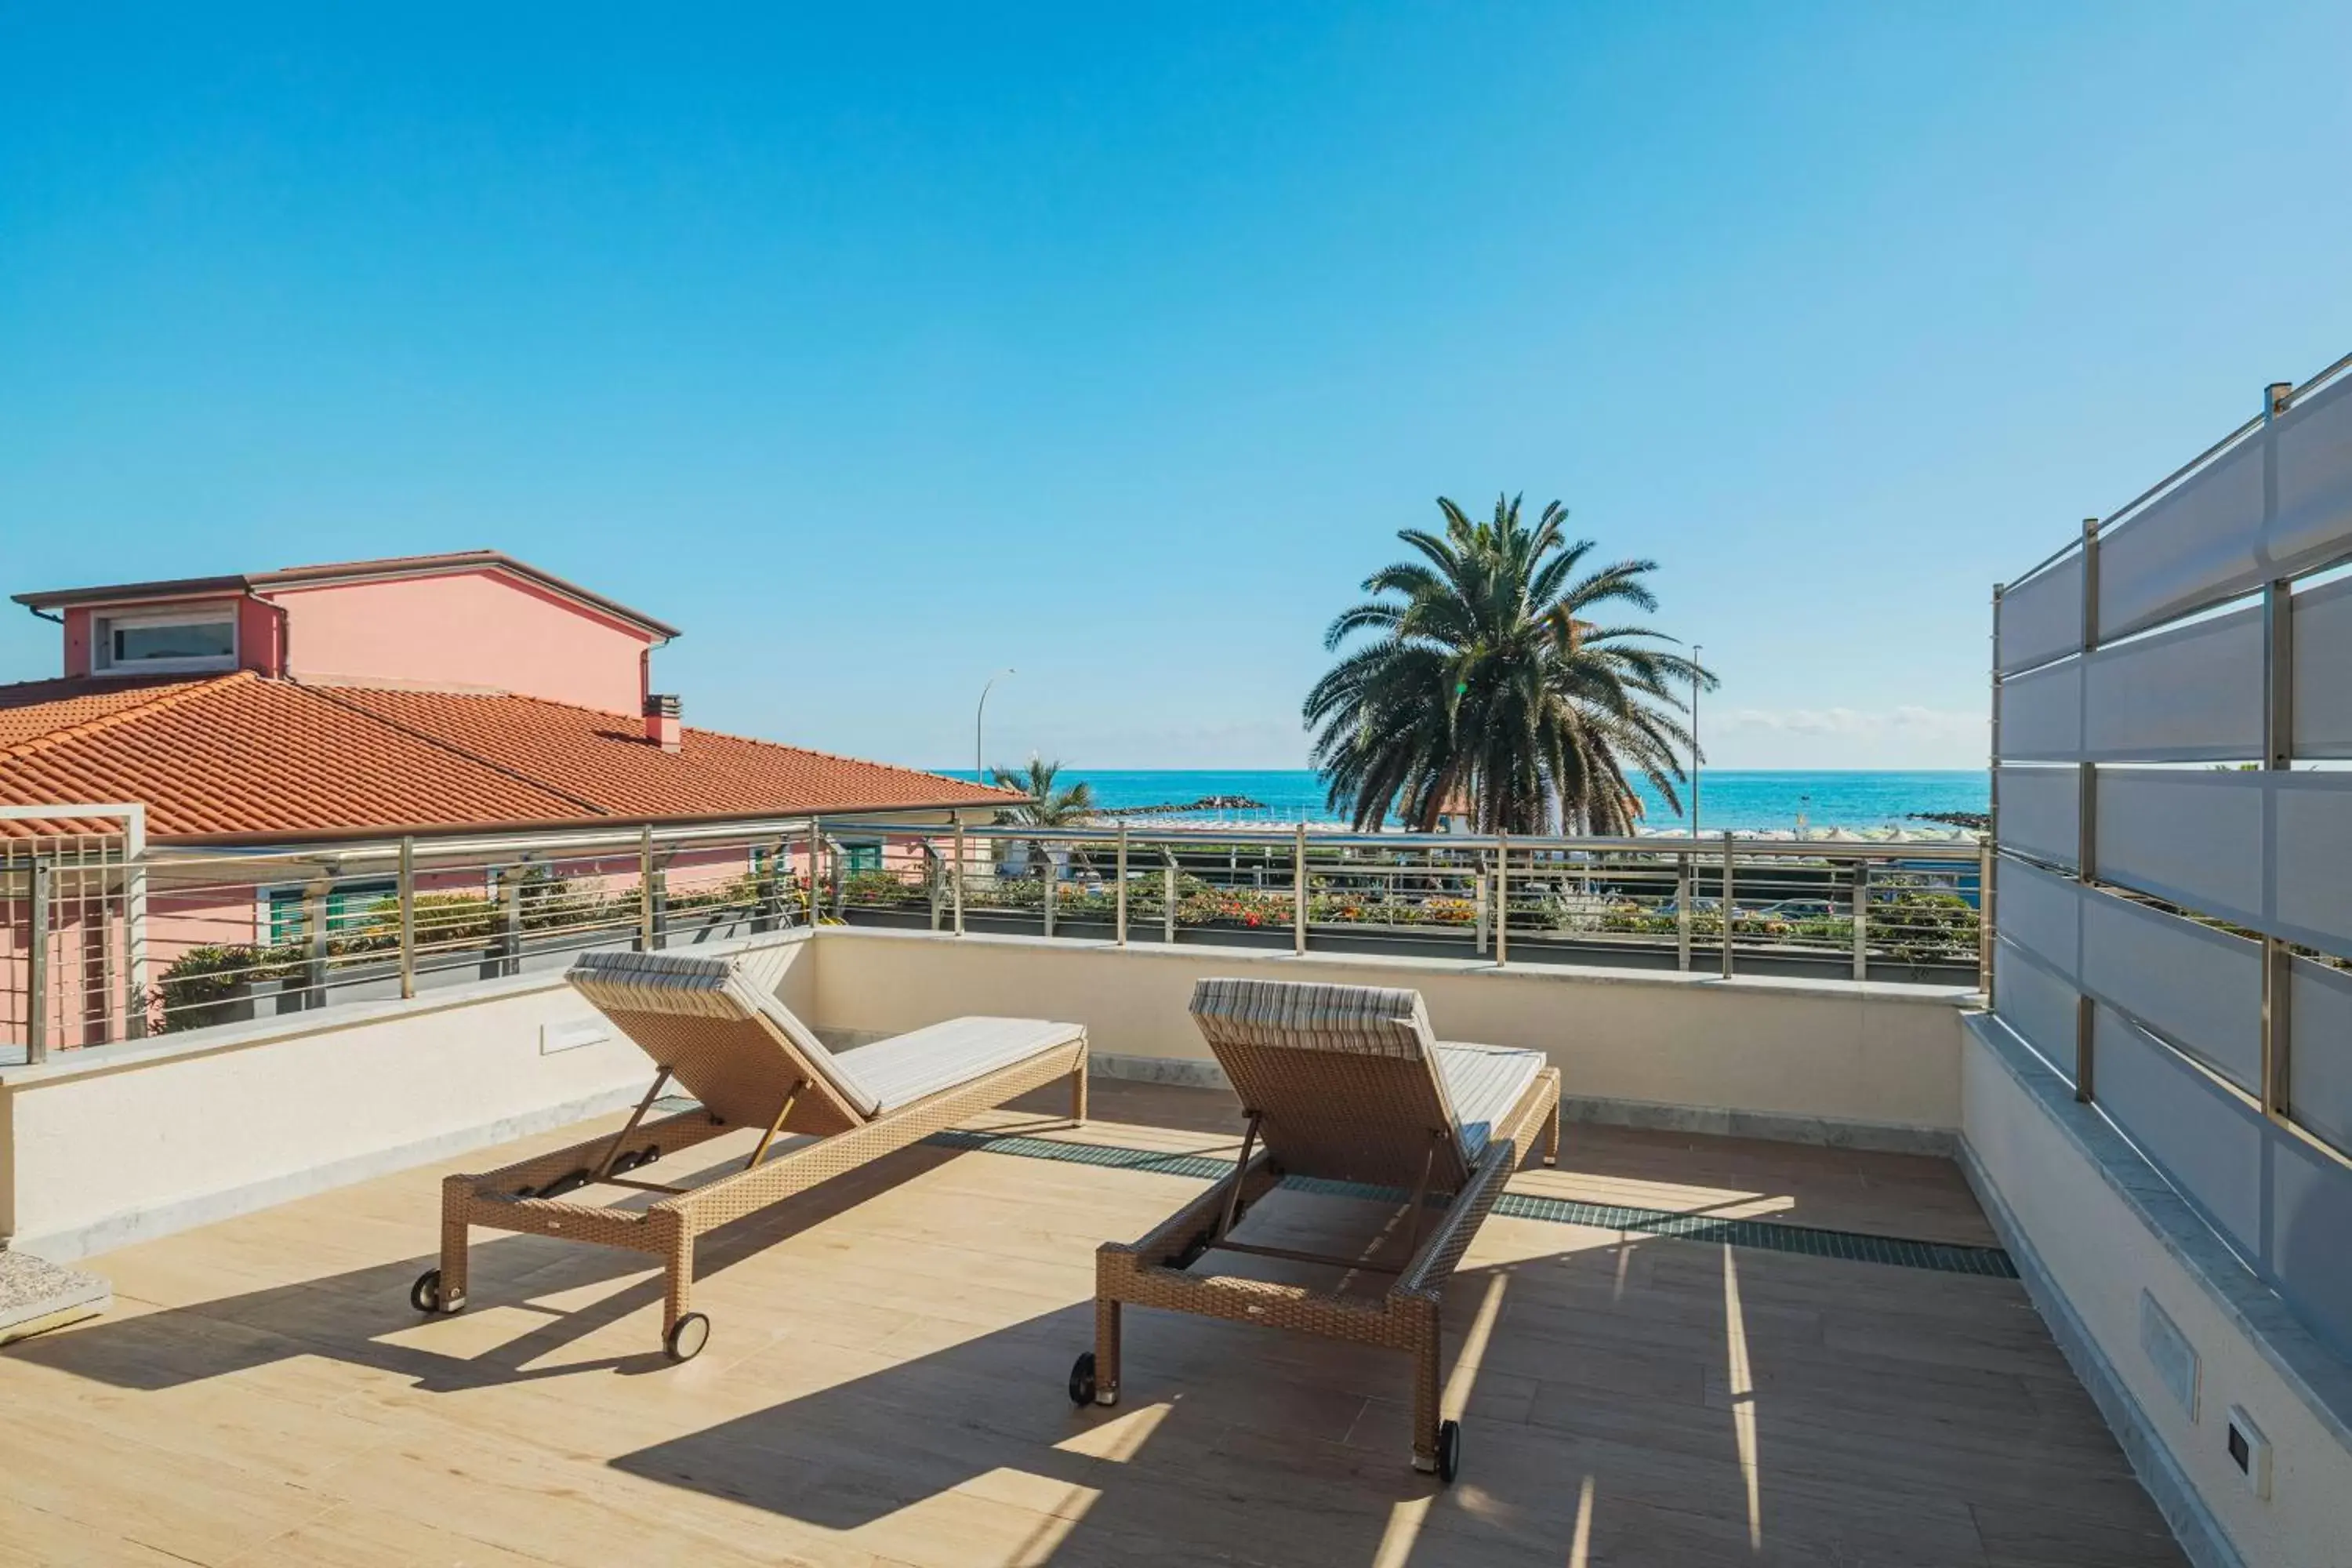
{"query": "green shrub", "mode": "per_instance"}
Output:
(204, 984)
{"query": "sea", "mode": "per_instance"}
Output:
(1729, 800)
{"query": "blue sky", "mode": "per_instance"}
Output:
(1115, 343)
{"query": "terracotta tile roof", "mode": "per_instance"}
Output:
(38, 707)
(241, 756)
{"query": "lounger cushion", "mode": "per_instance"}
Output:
(1485, 1082)
(908, 1067)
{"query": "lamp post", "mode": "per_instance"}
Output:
(979, 750)
(1696, 650)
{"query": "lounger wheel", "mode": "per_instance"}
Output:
(1082, 1382)
(1449, 1449)
(686, 1337)
(426, 1295)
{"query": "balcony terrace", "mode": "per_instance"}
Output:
(1674, 1348)
(1974, 1205)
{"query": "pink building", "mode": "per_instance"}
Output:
(420, 696)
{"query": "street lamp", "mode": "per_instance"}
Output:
(1696, 650)
(979, 751)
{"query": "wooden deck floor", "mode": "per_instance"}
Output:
(885, 1385)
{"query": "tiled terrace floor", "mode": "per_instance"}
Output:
(885, 1385)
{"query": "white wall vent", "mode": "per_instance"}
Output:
(2169, 1352)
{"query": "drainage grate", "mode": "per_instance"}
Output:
(1201, 1166)
(1852, 1247)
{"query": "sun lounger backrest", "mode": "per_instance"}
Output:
(1343, 1076)
(717, 1026)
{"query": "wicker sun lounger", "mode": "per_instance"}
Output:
(1347, 1083)
(714, 1026)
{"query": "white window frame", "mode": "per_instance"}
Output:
(104, 624)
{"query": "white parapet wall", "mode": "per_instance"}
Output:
(118, 1144)
(2169, 1331)
(1817, 1060)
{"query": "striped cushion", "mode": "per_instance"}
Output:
(1483, 1083)
(1368, 1020)
(908, 1067)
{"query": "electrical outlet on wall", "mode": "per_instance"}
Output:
(2249, 1451)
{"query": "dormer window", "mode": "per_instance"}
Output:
(197, 638)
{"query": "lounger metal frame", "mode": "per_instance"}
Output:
(1153, 1272)
(518, 1199)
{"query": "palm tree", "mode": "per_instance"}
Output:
(1051, 804)
(1488, 679)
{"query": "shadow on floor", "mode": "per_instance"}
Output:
(348, 1317)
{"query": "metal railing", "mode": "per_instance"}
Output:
(112, 942)
(1903, 910)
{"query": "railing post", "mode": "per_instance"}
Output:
(647, 935)
(1985, 933)
(404, 890)
(1502, 900)
(955, 886)
(815, 860)
(1862, 920)
(1298, 890)
(315, 905)
(1728, 906)
(2086, 813)
(1686, 888)
(1045, 883)
(1479, 899)
(1168, 886)
(1119, 921)
(134, 944)
(37, 961)
(2278, 757)
(510, 901)
(769, 892)
(109, 958)
(1991, 856)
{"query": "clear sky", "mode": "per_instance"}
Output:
(881, 347)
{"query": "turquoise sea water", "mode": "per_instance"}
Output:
(1729, 799)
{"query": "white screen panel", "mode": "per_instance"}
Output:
(2313, 856)
(2189, 1126)
(2207, 540)
(2189, 548)
(2189, 694)
(2042, 617)
(2036, 1003)
(2200, 988)
(2040, 812)
(2041, 714)
(2323, 657)
(2038, 912)
(2191, 838)
(2311, 1213)
(2314, 480)
(2319, 1062)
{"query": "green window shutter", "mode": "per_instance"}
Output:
(348, 907)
